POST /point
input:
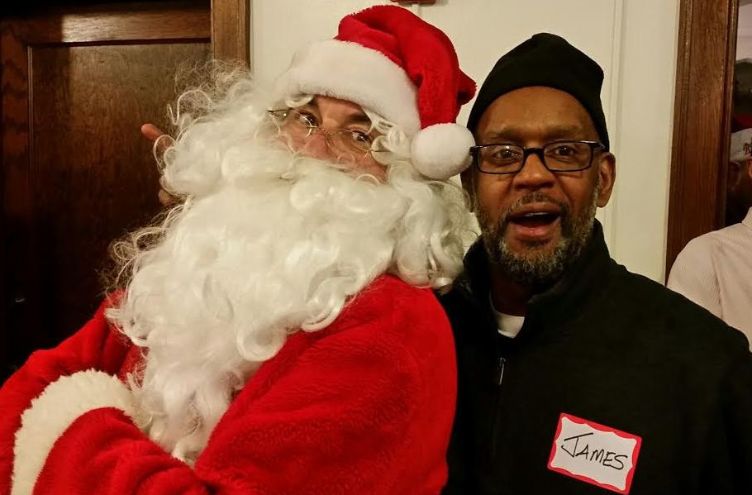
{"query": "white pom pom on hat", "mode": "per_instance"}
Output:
(390, 61)
(442, 150)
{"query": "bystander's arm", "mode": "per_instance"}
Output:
(694, 277)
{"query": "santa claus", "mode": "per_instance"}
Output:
(276, 332)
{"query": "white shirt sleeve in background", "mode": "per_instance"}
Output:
(715, 271)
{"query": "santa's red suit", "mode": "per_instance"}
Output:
(364, 406)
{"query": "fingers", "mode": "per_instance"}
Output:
(151, 132)
(158, 136)
(166, 199)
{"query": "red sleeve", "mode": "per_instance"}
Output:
(354, 411)
(94, 346)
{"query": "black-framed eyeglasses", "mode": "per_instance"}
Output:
(557, 156)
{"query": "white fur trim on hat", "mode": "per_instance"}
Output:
(352, 72)
(56, 408)
(441, 151)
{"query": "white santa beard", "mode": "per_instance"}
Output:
(268, 243)
(236, 272)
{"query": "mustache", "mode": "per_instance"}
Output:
(535, 197)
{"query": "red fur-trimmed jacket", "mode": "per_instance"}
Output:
(364, 406)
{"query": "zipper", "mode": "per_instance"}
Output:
(501, 366)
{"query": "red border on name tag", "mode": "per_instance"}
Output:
(604, 429)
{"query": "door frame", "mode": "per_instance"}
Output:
(702, 120)
(231, 30)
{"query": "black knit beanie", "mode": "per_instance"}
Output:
(545, 60)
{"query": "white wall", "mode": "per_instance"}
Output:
(641, 119)
(633, 40)
(744, 31)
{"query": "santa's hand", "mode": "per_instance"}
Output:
(55, 410)
(161, 142)
(153, 133)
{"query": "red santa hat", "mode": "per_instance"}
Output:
(393, 63)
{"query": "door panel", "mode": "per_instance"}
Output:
(91, 171)
(76, 172)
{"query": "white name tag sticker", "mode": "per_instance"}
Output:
(594, 453)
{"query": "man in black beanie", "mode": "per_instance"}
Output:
(575, 375)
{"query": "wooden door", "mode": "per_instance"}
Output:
(77, 83)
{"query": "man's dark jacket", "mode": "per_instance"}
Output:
(610, 347)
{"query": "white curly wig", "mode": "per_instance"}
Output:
(265, 242)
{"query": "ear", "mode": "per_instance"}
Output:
(749, 168)
(607, 177)
(467, 177)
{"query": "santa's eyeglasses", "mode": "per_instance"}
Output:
(303, 125)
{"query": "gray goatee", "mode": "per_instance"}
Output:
(537, 265)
